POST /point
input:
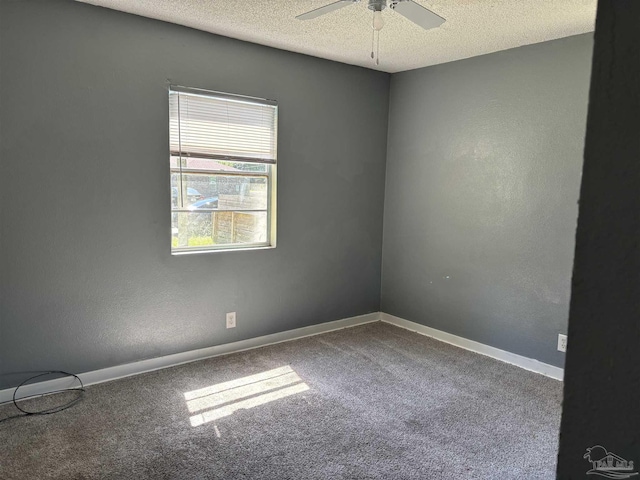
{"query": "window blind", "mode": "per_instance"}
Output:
(222, 126)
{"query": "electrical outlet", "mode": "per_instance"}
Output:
(562, 342)
(231, 320)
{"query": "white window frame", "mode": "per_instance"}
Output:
(270, 174)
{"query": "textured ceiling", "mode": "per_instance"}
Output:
(473, 27)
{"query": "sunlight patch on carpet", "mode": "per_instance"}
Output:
(223, 399)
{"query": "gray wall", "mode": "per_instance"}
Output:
(87, 279)
(483, 173)
(602, 379)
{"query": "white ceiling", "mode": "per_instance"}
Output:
(473, 27)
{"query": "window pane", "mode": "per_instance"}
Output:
(211, 228)
(191, 189)
(227, 192)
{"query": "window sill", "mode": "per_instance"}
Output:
(222, 250)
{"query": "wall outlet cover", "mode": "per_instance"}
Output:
(231, 320)
(562, 342)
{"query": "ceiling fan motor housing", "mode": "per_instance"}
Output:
(377, 5)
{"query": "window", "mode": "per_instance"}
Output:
(223, 170)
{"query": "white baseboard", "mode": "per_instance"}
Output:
(135, 368)
(120, 371)
(477, 347)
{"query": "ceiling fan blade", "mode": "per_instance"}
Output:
(326, 9)
(418, 14)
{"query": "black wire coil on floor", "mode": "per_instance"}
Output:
(55, 409)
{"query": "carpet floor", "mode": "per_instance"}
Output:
(368, 402)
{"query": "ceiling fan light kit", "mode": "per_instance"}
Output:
(407, 8)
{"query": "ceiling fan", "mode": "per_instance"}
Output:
(407, 8)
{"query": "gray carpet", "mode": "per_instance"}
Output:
(370, 402)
